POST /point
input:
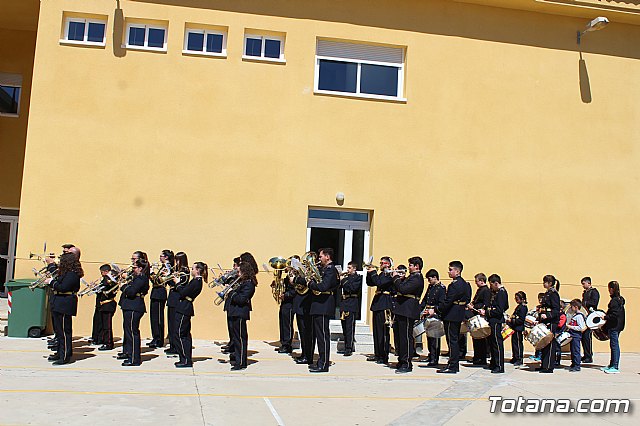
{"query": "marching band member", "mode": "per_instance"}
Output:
(351, 286)
(433, 297)
(407, 310)
(302, 309)
(615, 318)
(516, 322)
(158, 299)
(173, 299)
(229, 348)
(64, 305)
(96, 326)
(481, 300)
(106, 298)
(323, 309)
(381, 302)
(51, 268)
(133, 308)
(576, 324)
(239, 314)
(184, 312)
(590, 300)
(550, 315)
(452, 312)
(285, 315)
(494, 312)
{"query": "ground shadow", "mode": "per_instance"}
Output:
(81, 356)
(148, 357)
(200, 358)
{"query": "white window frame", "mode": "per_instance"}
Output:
(11, 253)
(146, 27)
(357, 94)
(261, 58)
(203, 52)
(86, 22)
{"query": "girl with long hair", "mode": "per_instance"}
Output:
(615, 318)
(184, 312)
(239, 313)
(181, 266)
(158, 299)
(133, 308)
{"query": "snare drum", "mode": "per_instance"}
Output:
(434, 328)
(564, 338)
(506, 332)
(479, 327)
(419, 327)
(539, 336)
(596, 320)
(530, 321)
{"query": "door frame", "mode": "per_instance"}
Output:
(11, 252)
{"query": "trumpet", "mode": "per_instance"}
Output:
(41, 256)
(90, 288)
(166, 279)
(223, 294)
(41, 281)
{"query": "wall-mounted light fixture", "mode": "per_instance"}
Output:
(340, 198)
(597, 24)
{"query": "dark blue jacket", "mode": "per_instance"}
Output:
(159, 291)
(497, 307)
(240, 300)
(325, 303)
(518, 316)
(434, 295)
(174, 297)
(453, 307)
(408, 292)
(615, 314)
(351, 288)
(132, 298)
(108, 298)
(550, 306)
(302, 302)
(590, 299)
(383, 298)
(188, 294)
(65, 303)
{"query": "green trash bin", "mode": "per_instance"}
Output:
(27, 309)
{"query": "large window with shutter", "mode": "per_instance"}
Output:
(359, 70)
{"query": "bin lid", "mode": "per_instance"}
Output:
(21, 282)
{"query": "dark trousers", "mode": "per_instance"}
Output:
(452, 333)
(54, 322)
(240, 340)
(285, 316)
(480, 347)
(107, 329)
(322, 339)
(462, 344)
(517, 347)
(306, 335)
(496, 343)
(64, 334)
(96, 329)
(183, 327)
(348, 330)
(131, 327)
(587, 344)
(381, 341)
(433, 345)
(575, 351)
(405, 341)
(173, 333)
(156, 310)
(549, 353)
(231, 345)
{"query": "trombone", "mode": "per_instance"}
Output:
(223, 294)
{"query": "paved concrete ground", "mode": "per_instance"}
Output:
(96, 389)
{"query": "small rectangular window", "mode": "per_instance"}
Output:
(84, 31)
(146, 37)
(264, 47)
(362, 70)
(205, 42)
(10, 89)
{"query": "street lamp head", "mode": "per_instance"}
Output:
(596, 24)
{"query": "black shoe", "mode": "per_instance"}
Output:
(60, 362)
(432, 364)
(497, 371)
(587, 360)
(169, 353)
(105, 348)
(170, 350)
(53, 357)
(182, 365)
(381, 361)
(316, 369)
(224, 347)
(479, 362)
(129, 363)
(301, 360)
(284, 350)
(372, 358)
(347, 353)
(517, 363)
(544, 370)
(238, 367)
(446, 371)
(403, 369)
(152, 345)
(122, 355)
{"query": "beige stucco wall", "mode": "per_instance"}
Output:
(497, 158)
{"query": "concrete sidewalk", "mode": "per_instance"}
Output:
(96, 389)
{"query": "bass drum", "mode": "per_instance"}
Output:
(479, 327)
(539, 336)
(434, 328)
(564, 338)
(596, 320)
(601, 334)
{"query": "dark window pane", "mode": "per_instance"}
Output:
(195, 41)
(96, 32)
(337, 76)
(9, 97)
(272, 49)
(136, 36)
(156, 38)
(379, 80)
(338, 215)
(76, 31)
(214, 43)
(254, 47)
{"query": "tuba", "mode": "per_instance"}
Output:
(310, 265)
(278, 287)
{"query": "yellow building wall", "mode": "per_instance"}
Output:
(16, 52)
(498, 158)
